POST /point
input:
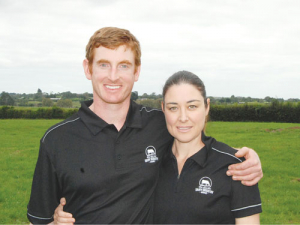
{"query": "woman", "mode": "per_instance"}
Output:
(193, 186)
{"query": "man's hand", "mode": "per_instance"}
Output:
(249, 171)
(61, 217)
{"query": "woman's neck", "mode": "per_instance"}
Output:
(182, 151)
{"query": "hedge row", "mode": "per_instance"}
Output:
(276, 112)
(7, 112)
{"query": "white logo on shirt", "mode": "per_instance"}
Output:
(205, 185)
(151, 154)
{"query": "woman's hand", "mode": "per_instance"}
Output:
(249, 171)
(61, 217)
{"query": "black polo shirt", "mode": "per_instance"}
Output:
(106, 176)
(203, 193)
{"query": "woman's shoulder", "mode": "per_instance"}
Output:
(225, 151)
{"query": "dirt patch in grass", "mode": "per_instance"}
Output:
(294, 128)
(281, 129)
(274, 130)
(296, 179)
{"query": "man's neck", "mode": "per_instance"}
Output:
(111, 113)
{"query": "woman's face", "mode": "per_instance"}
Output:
(185, 112)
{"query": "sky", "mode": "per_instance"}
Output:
(248, 48)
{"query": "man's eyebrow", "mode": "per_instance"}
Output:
(125, 62)
(102, 61)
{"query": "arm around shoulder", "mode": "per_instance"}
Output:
(249, 171)
(253, 219)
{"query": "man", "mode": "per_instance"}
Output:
(98, 159)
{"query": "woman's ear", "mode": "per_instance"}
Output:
(162, 106)
(207, 106)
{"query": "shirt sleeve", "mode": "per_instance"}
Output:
(44, 191)
(245, 200)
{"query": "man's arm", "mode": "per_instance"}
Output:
(254, 219)
(44, 191)
(249, 171)
(61, 217)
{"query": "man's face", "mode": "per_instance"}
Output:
(113, 74)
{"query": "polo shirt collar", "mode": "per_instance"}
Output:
(95, 124)
(134, 117)
(202, 156)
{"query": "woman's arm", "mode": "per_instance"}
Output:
(254, 219)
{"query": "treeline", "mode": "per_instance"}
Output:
(275, 112)
(40, 99)
(10, 112)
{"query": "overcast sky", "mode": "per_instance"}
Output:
(237, 47)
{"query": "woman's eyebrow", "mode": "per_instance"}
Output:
(190, 101)
(194, 100)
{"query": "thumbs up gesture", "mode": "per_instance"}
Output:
(61, 217)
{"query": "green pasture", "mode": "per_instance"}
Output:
(277, 144)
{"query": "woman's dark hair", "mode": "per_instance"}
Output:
(185, 77)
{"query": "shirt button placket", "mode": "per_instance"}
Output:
(118, 154)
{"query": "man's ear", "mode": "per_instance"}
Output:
(86, 69)
(137, 73)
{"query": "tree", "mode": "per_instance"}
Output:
(39, 95)
(275, 103)
(86, 96)
(145, 95)
(227, 100)
(68, 95)
(47, 102)
(212, 100)
(6, 99)
(65, 103)
(153, 95)
(52, 95)
(268, 99)
(23, 102)
(233, 99)
(134, 95)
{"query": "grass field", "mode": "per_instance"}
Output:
(278, 145)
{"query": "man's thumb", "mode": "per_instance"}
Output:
(63, 202)
(242, 152)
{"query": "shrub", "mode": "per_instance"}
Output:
(7, 112)
(276, 112)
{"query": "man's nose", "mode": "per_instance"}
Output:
(113, 74)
